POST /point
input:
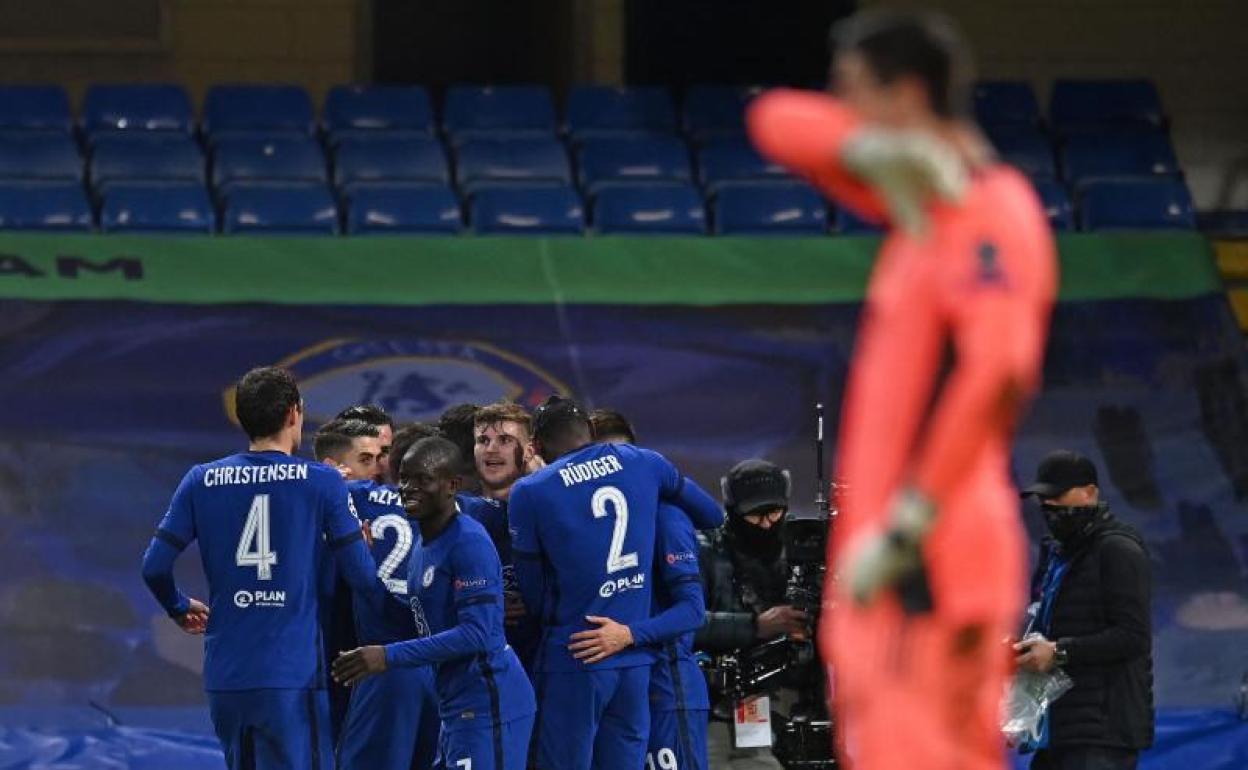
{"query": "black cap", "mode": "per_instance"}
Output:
(554, 413)
(1060, 472)
(756, 484)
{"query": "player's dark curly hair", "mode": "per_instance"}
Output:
(263, 398)
(456, 424)
(403, 440)
(438, 453)
(609, 422)
(336, 437)
(369, 413)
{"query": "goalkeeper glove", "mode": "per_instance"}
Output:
(908, 169)
(894, 558)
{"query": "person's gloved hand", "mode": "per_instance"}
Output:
(893, 559)
(908, 169)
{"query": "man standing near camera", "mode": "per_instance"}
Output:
(744, 571)
(1092, 587)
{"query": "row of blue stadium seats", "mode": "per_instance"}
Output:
(482, 162)
(707, 110)
(395, 208)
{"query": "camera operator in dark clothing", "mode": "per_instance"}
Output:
(1092, 587)
(743, 568)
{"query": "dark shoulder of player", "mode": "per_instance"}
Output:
(361, 486)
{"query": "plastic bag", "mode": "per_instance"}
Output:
(1029, 696)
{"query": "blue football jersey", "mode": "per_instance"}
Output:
(263, 520)
(394, 540)
(583, 534)
(676, 681)
(455, 591)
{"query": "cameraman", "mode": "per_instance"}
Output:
(744, 577)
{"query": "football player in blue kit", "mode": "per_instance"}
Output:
(679, 701)
(392, 720)
(456, 595)
(584, 542)
(261, 518)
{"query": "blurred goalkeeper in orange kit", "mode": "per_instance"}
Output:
(928, 553)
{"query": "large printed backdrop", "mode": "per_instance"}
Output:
(105, 402)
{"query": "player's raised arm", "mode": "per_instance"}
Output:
(174, 533)
(526, 549)
(685, 493)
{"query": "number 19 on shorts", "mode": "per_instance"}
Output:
(663, 759)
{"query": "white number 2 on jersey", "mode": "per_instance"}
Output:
(402, 544)
(253, 544)
(616, 561)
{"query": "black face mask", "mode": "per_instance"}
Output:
(756, 541)
(1069, 522)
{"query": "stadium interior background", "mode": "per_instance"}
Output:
(117, 345)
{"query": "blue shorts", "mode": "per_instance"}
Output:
(392, 721)
(598, 719)
(678, 740)
(505, 746)
(273, 729)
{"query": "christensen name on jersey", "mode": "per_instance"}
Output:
(588, 471)
(255, 474)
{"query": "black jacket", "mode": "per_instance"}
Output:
(737, 587)
(1101, 616)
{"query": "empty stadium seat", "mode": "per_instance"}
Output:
(716, 110)
(157, 207)
(279, 208)
(378, 108)
(59, 206)
(34, 108)
(382, 208)
(849, 223)
(381, 158)
(1026, 148)
(673, 209)
(770, 209)
(607, 110)
(475, 111)
(726, 160)
(538, 210)
(1056, 202)
(255, 107)
(1122, 152)
(1005, 102)
(485, 162)
(1100, 102)
(148, 107)
(39, 155)
(279, 158)
(145, 155)
(1136, 204)
(606, 161)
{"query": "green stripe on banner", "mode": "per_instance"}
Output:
(485, 270)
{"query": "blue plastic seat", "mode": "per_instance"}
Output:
(728, 160)
(712, 110)
(1026, 148)
(388, 158)
(1117, 152)
(671, 209)
(254, 107)
(849, 223)
(1136, 204)
(145, 155)
(279, 208)
(609, 160)
(1057, 204)
(157, 207)
(148, 107)
(486, 162)
(276, 158)
(35, 108)
(610, 110)
(1100, 102)
(476, 111)
(378, 108)
(1005, 102)
(39, 155)
(57, 206)
(392, 208)
(528, 210)
(770, 209)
